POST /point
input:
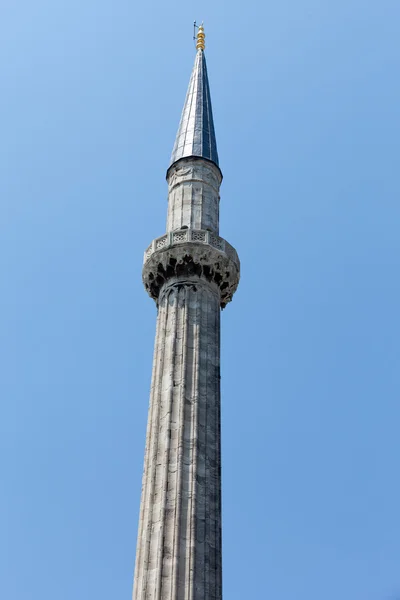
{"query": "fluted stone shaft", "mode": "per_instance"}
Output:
(193, 195)
(179, 541)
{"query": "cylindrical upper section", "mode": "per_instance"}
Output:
(193, 195)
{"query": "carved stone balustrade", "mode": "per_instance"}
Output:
(188, 253)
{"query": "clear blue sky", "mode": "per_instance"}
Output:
(306, 100)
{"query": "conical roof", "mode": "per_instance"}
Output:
(196, 135)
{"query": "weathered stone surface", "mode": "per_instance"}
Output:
(179, 541)
(193, 195)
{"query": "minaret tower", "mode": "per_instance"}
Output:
(191, 273)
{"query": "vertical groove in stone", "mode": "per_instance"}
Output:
(181, 210)
(179, 459)
(168, 521)
(205, 483)
(178, 543)
(193, 446)
(208, 483)
(218, 520)
(164, 446)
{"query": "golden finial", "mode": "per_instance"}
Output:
(201, 43)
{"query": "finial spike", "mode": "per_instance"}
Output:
(201, 43)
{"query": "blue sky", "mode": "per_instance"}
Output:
(306, 101)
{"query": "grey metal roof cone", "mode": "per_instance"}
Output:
(196, 135)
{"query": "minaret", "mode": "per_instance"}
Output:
(191, 273)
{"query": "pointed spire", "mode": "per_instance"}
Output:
(196, 135)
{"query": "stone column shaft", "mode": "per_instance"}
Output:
(179, 541)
